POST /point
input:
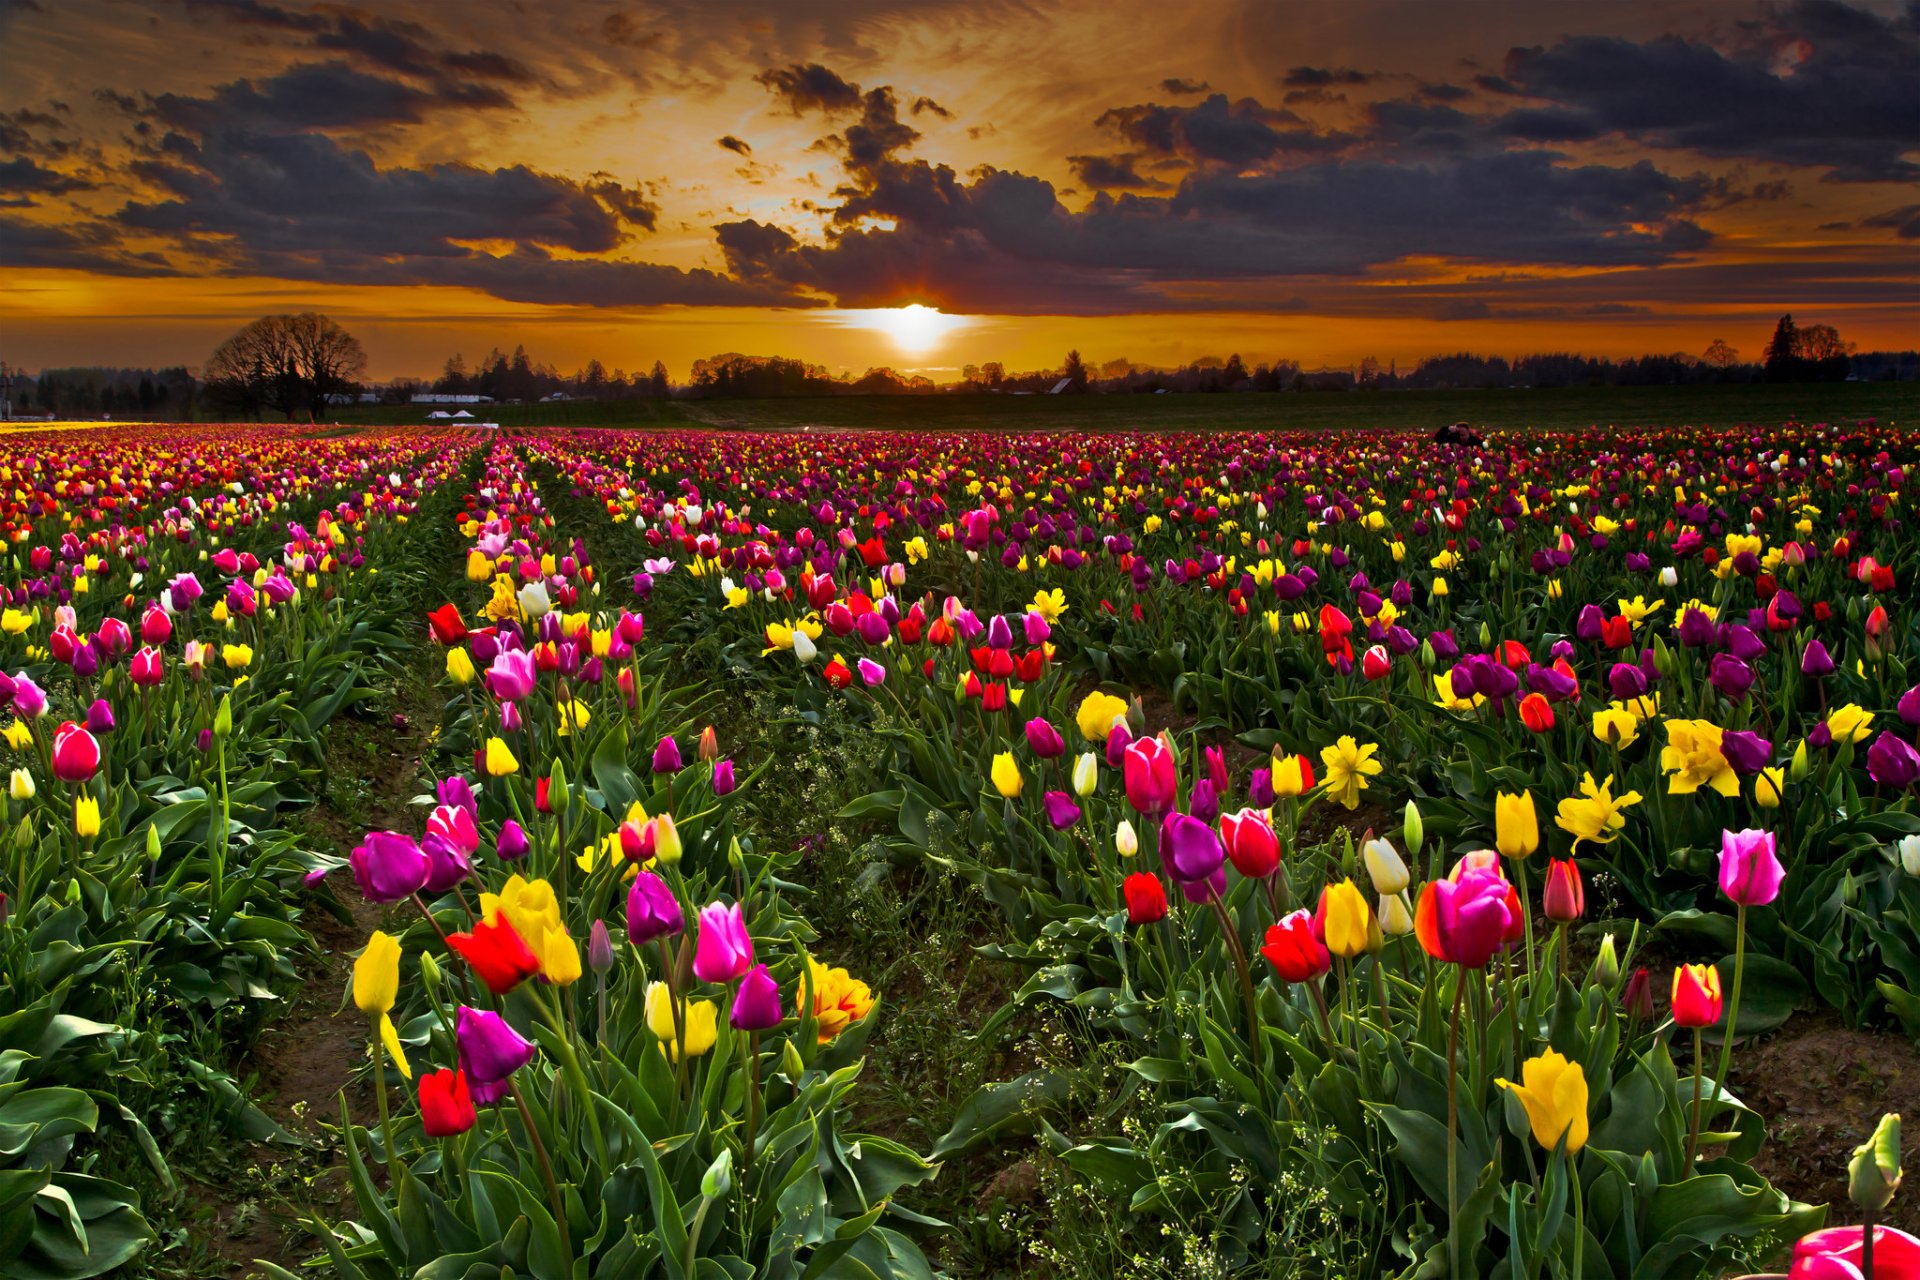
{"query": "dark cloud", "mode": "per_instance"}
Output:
(1824, 84)
(1183, 88)
(1445, 92)
(1217, 131)
(1323, 77)
(1904, 221)
(735, 145)
(22, 176)
(254, 13)
(810, 87)
(319, 96)
(927, 106)
(398, 46)
(1113, 173)
(74, 246)
(25, 131)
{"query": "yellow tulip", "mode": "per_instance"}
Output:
(1006, 775)
(479, 568)
(237, 655)
(1554, 1092)
(86, 817)
(376, 974)
(1516, 824)
(559, 957)
(21, 787)
(1097, 713)
(459, 666)
(701, 1016)
(17, 734)
(1768, 786)
(1346, 919)
(500, 760)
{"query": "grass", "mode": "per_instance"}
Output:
(1712, 406)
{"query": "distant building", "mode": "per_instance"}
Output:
(438, 397)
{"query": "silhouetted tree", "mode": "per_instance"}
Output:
(1721, 355)
(287, 363)
(1782, 361)
(657, 384)
(1075, 372)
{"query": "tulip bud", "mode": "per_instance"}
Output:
(1395, 919)
(22, 786)
(1797, 771)
(223, 718)
(666, 840)
(1086, 774)
(559, 796)
(599, 948)
(792, 1065)
(430, 973)
(1638, 999)
(1606, 965)
(1910, 855)
(1486, 636)
(1125, 841)
(1413, 829)
(1873, 1175)
(153, 843)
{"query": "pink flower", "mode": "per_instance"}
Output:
(1834, 1254)
(724, 949)
(1150, 778)
(1750, 871)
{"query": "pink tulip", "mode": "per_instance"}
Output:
(1152, 783)
(1750, 871)
(724, 949)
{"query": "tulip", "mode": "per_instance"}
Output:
(499, 760)
(1251, 843)
(1006, 776)
(559, 956)
(1750, 871)
(1385, 867)
(1062, 812)
(1126, 842)
(376, 981)
(666, 756)
(723, 780)
(600, 957)
(1097, 714)
(723, 950)
(1696, 1004)
(20, 785)
(652, 910)
(699, 1028)
(667, 847)
(1465, 921)
(756, 1005)
(460, 668)
(1190, 849)
(512, 675)
(1565, 898)
(1842, 1253)
(1146, 898)
(86, 817)
(388, 866)
(76, 753)
(490, 1049)
(1294, 948)
(497, 953)
(1516, 824)
(1892, 762)
(1637, 999)
(512, 844)
(1343, 919)
(1874, 1173)
(1086, 774)
(1151, 781)
(1045, 740)
(147, 668)
(1292, 776)
(1909, 852)
(446, 1104)
(1554, 1093)
(446, 626)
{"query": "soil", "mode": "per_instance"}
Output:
(1823, 1088)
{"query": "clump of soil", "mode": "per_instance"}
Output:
(1823, 1087)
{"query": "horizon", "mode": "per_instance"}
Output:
(1322, 185)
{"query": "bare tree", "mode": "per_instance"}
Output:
(287, 363)
(1721, 354)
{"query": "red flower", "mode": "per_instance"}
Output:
(1617, 632)
(497, 954)
(542, 802)
(838, 674)
(1146, 898)
(1295, 950)
(446, 1106)
(76, 753)
(447, 626)
(1536, 712)
(1566, 897)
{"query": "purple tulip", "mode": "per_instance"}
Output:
(1190, 849)
(1045, 739)
(652, 910)
(1471, 916)
(756, 1005)
(389, 866)
(490, 1049)
(1815, 661)
(512, 843)
(666, 756)
(1909, 706)
(1742, 642)
(1746, 751)
(1730, 677)
(1892, 761)
(512, 675)
(458, 792)
(100, 717)
(1627, 681)
(1260, 789)
(29, 699)
(723, 783)
(1062, 812)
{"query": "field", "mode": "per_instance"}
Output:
(1096, 847)
(1572, 407)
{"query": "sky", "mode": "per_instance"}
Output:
(1287, 179)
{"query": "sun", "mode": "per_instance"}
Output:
(914, 329)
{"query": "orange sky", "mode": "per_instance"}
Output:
(1316, 182)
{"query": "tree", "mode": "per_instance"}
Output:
(1721, 355)
(287, 363)
(1824, 355)
(1782, 360)
(1075, 372)
(657, 384)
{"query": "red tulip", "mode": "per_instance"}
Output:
(1566, 897)
(1696, 995)
(1146, 898)
(76, 753)
(1251, 843)
(1150, 778)
(1376, 664)
(447, 626)
(147, 668)
(1536, 712)
(1294, 948)
(497, 953)
(446, 1105)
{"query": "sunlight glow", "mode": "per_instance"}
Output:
(914, 329)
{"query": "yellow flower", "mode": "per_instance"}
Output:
(702, 1022)
(459, 666)
(479, 568)
(376, 974)
(1554, 1092)
(573, 715)
(528, 905)
(1516, 824)
(1616, 726)
(500, 760)
(1006, 775)
(1348, 766)
(1439, 589)
(1445, 698)
(1692, 758)
(237, 655)
(1049, 604)
(1851, 723)
(916, 550)
(1769, 785)
(1348, 919)
(1637, 610)
(1598, 817)
(390, 1037)
(86, 817)
(1097, 713)
(559, 957)
(18, 735)
(15, 621)
(503, 604)
(20, 786)
(839, 999)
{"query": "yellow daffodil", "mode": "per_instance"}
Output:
(1596, 814)
(1348, 765)
(1693, 759)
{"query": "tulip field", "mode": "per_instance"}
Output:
(893, 855)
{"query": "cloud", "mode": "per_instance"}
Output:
(1822, 84)
(254, 13)
(322, 96)
(1323, 77)
(1216, 131)
(22, 176)
(1183, 88)
(810, 87)
(1904, 221)
(1113, 173)
(735, 145)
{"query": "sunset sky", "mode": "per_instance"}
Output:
(1311, 181)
